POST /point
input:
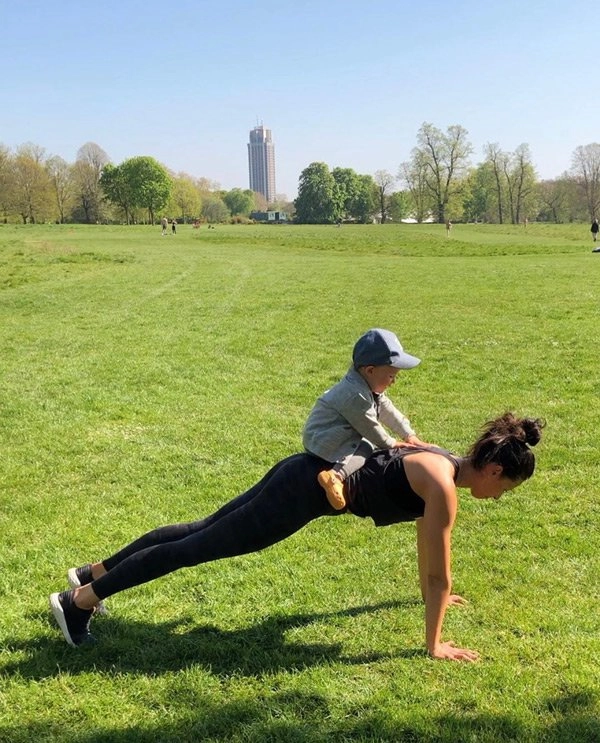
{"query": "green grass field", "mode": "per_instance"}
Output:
(146, 380)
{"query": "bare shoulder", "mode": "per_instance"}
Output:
(430, 475)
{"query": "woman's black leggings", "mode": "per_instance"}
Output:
(286, 499)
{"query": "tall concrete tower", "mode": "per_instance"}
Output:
(261, 162)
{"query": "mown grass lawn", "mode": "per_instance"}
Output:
(145, 380)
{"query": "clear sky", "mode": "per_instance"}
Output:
(345, 82)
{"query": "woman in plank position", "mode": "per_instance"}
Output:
(416, 484)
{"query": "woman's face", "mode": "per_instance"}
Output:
(490, 482)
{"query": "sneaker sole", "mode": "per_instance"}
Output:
(59, 615)
(74, 582)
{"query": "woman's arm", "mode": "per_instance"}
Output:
(431, 478)
(422, 558)
(454, 599)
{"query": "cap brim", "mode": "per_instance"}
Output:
(405, 361)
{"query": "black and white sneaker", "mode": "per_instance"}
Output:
(73, 621)
(81, 577)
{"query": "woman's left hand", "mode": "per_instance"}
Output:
(455, 600)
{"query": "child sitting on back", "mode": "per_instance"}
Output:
(344, 426)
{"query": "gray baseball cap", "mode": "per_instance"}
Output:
(378, 347)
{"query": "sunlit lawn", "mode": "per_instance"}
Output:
(146, 380)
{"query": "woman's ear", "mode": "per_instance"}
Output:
(493, 470)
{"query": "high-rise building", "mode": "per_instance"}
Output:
(261, 162)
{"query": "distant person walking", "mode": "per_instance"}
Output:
(448, 227)
(164, 223)
(594, 230)
(174, 226)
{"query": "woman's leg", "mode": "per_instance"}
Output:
(286, 501)
(174, 532)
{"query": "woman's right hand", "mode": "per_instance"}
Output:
(448, 651)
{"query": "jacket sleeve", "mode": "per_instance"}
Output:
(391, 417)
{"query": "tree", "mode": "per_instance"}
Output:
(363, 204)
(61, 181)
(319, 200)
(511, 183)
(585, 170)
(479, 195)
(239, 202)
(117, 189)
(445, 157)
(346, 181)
(89, 164)
(6, 181)
(260, 202)
(383, 184)
(521, 182)
(185, 197)
(399, 205)
(140, 182)
(32, 197)
(555, 200)
(148, 182)
(214, 208)
(413, 173)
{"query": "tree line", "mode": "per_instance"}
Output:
(35, 187)
(437, 183)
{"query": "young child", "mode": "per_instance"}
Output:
(344, 426)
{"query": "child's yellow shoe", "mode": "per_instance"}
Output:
(334, 488)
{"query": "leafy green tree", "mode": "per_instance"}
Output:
(319, 200)
(444, 156)
(479, 203)
(363, 203)
(347, 184)
(140, 182)
(117, 189)
(239, 202)
(399, 205)
(148, 182)
(185, 198)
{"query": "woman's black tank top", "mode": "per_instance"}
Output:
(380, 489)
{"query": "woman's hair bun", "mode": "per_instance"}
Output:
(532, 429)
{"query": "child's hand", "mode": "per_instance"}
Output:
(414, 441)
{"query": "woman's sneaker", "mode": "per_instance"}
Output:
(81, 577)
(73, 621)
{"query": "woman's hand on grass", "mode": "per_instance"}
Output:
(448, 651)
(455, 600)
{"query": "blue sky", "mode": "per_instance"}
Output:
(347, 83)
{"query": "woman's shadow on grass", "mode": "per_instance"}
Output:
(126, 646)
(298, 715)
